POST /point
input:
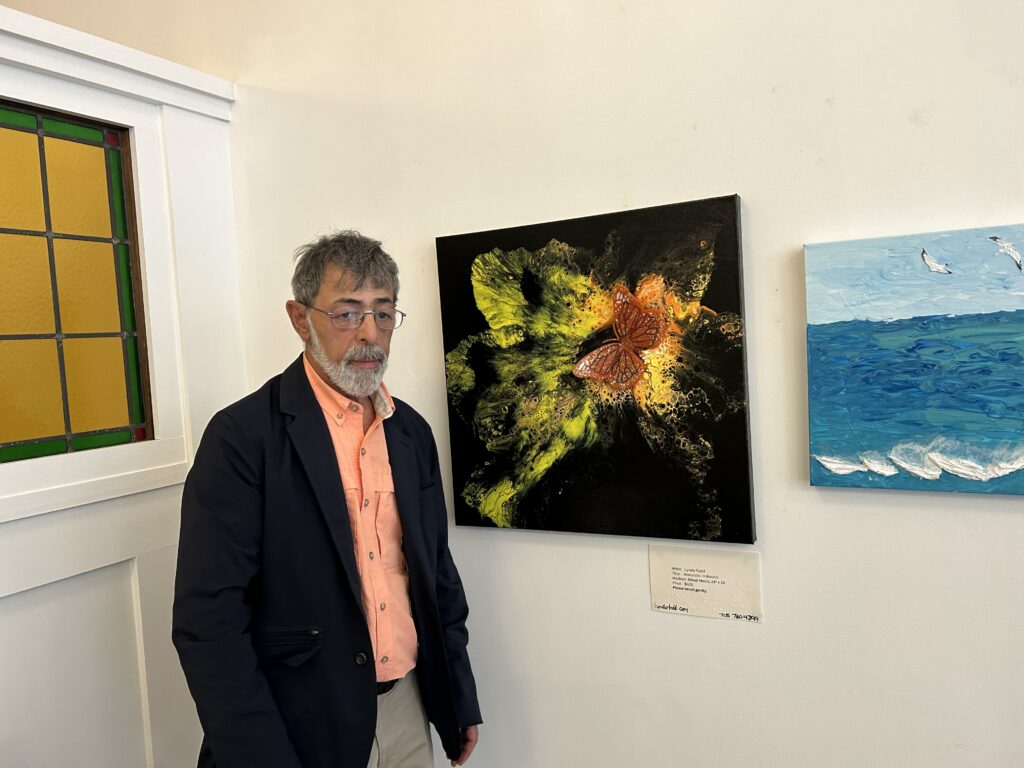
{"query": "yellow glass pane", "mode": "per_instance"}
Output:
(76, 177)
(30, 401)
(21, 185)
(95, 374)
(26, 297)
(86, 286)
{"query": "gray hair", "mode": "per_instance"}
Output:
(349, 251)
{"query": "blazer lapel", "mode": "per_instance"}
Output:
(402, 457)
(312, 440)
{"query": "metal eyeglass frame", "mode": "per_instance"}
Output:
(335, 318)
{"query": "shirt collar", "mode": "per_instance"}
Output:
(334, 402)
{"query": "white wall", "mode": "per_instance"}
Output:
(892, 632)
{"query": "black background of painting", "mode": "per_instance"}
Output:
(632, 491)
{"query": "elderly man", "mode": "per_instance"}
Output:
(318, 614)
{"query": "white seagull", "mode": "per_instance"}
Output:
(933, 265)
(1008, 249)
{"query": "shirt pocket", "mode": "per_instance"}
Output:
(388, 525)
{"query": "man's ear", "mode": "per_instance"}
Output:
(299, 316)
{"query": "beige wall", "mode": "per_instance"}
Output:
(891, 635)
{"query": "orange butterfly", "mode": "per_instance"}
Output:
(617, 362)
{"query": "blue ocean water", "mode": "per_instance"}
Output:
(925, 403)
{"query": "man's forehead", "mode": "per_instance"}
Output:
(342, 283)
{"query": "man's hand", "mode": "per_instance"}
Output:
(470, 735)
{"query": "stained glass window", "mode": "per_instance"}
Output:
(72, 343)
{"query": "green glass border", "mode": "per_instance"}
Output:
(33, 450)
(124, 285)
(131, 350)
(117, 187)
(17, 119)
(101, 441)
(71, 130)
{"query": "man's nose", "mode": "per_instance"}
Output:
(368, 330)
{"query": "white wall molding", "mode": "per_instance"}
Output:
(47, 548)
(140, 651)
(35, 500)
(40, 45)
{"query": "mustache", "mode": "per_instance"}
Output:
(362, 354)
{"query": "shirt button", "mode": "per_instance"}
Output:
(353, 407)
(383, 659)
(360, 659)
(362, 451)
(366, 502)
(382, 606)
(371, 555)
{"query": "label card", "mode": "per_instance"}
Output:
(718, 583)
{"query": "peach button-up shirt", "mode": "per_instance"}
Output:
(373, 519)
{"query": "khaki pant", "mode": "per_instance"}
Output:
(402, 736)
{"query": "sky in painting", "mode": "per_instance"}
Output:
(885, 278)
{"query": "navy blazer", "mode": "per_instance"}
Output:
(268, 619)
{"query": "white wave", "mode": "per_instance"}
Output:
(928, 462)
(1009, 466)
(913, 459)
(972, 470)
(840, 466)
(981, 464)
(877, 463)
(965, 468)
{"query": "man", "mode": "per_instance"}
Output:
(318, 614)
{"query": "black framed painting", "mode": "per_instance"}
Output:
(595, 374)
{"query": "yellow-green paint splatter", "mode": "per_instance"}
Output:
(544, 309)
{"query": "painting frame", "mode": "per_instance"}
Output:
(546, 433)
(913, 346)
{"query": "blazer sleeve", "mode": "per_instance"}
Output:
(218, 563)
(453, 609)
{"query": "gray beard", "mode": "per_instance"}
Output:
(354, 382)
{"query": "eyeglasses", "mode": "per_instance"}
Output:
(350, 319)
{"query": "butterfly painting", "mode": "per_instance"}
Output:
(617, 363)
(595, 374)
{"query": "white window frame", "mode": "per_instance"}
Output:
(61, 69)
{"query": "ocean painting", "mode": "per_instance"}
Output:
(915, 357)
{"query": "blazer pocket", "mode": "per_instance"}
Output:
(289, 646)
